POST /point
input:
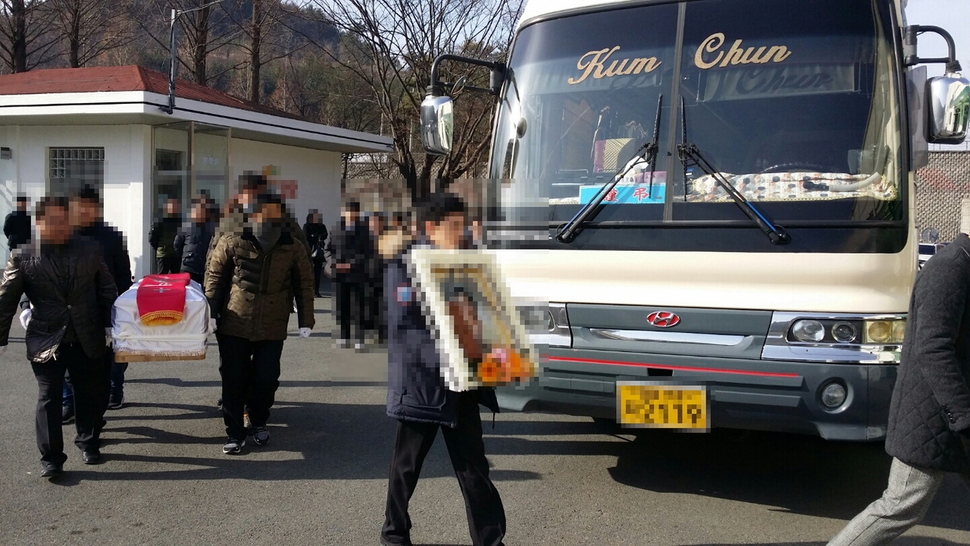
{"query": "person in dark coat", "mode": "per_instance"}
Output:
(72, 291)
(374, 289)
(87, 217)
(929, 415)
(192, 241)
(251, 280)
(352, 245)
(319, 240)
(16, 226)
(422, 404)
(162, 238)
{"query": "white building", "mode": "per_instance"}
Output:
(107, 127)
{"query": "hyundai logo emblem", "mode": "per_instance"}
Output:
(663, 319)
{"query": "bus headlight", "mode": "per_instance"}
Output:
(547, 324)
(835, 337)
(884, 332)
(845, 332)
(808, 331)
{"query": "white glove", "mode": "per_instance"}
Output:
(25, 317)
(212, 325)
(107, 337)
(304, 333)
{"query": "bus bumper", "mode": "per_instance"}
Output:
(746, 394)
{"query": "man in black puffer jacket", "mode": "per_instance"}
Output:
(929, 417)
(192, 242)
(72, 292)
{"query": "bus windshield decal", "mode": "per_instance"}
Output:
(737, 54)
(594, 63)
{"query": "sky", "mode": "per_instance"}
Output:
(952, 15)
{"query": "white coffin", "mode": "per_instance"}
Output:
(185, 340)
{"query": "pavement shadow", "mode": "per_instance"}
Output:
(310, 441)
(794, 473)
(901, 541)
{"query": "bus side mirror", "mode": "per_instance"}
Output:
(948, 108)
(437, 124)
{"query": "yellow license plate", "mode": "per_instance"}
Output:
(662, 406)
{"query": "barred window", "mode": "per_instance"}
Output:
(72, 168)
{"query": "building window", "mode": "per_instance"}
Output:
(72, 168)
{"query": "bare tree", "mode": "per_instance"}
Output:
(263, 39)
(203, 32)
(395, 43)
(90, 28)
(24, 38)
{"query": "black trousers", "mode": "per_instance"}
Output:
(250, 373)
(350, 308)
(486, 515)
(317, 275)
(374, 296)
(167, 265)
(90, 395)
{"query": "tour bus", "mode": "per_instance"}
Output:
(709, 205)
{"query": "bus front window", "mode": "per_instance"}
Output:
(795, 105)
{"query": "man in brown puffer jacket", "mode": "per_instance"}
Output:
(251, 281)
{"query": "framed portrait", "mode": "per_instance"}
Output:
(481, 340)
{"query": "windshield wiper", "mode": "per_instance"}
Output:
(690, 155)
(648, 151)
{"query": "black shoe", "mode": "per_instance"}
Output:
(233, 446)
(91, 456)
(50, 470)
(116, 401)
(67, 414)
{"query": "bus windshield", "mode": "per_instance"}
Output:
(794, 103)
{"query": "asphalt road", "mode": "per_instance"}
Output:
(322, 477)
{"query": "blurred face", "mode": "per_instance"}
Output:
(83, 212)
(171, 207)
(198, 212)
(22, 205)
(247, 197)
(349, 216)
(376, 224)
(54, 227)
(268, 213)
(449, 233)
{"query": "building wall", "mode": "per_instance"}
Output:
(127, 174)
(941, 186)
(309, 179)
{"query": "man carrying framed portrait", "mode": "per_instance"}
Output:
(418, 394)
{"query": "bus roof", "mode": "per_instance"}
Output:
(541, 9)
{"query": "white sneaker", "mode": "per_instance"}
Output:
(342, 343)
(359, 347)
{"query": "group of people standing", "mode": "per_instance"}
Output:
(361, 249)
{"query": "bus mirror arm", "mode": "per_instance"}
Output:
(911, 56)
(689, 154)
(496, 78)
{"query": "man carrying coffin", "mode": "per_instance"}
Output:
(71, 290)
(251, 281)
